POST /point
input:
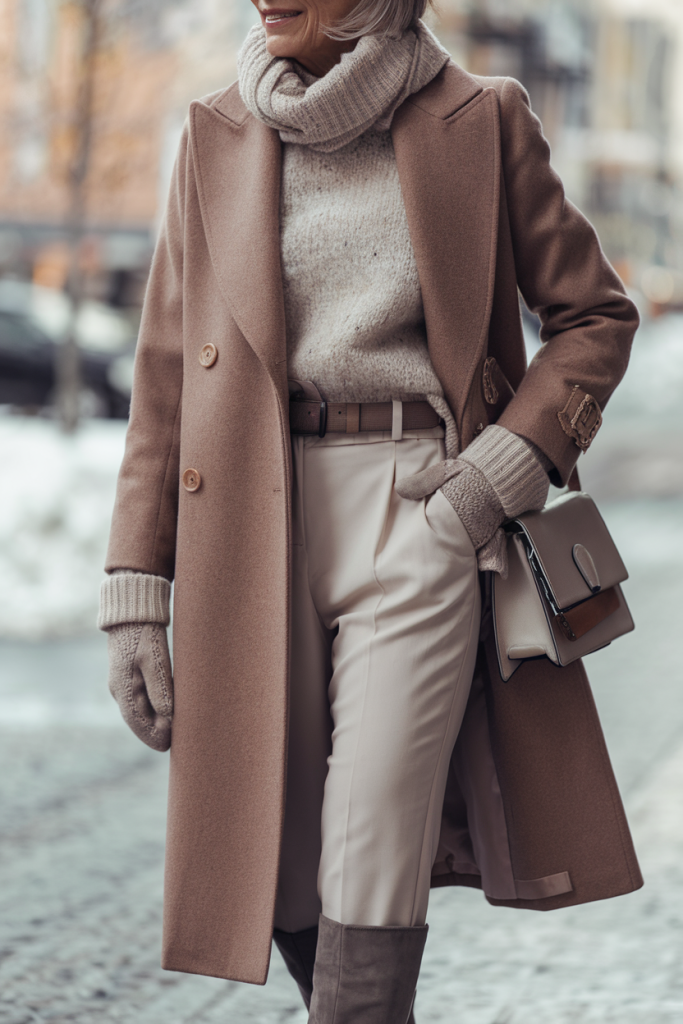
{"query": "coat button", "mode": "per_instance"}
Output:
(192, 481)
(208, 355)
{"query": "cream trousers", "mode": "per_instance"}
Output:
(385, 621)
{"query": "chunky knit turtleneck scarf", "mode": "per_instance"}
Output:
(362, 91)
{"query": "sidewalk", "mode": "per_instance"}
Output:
(81, 847)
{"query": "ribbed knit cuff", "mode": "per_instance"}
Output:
(134, 597)
(512, 466)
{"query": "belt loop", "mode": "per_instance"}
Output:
(322, 421)
(397, 421)
(352, 417)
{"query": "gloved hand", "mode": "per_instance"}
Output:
(141, 680)
(500, 475)
(134, 611)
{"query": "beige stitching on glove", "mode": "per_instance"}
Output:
(141, 680)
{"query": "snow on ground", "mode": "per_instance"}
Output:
(82, 818)
(55, 513)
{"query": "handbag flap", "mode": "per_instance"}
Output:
(573, 548)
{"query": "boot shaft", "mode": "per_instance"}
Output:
(365, 975)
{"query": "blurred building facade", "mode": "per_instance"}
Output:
(605, 76)
(606, 79)
(150, 58)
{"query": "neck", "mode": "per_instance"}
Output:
(321, 60)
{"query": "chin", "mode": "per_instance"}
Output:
(279, 47)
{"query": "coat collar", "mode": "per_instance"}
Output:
(450, 90)
(446, 141)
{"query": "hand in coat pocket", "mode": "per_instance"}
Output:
(141, 680)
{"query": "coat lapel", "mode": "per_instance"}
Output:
(237, 163)
(447, 145)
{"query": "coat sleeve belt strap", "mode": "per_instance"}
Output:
(538, 888)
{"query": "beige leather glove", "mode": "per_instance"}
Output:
(500, 475)
(134, 611)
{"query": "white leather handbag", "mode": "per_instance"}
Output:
(562, 598)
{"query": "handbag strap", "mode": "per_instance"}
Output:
(574, 484)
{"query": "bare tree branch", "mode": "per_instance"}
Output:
(67, 354)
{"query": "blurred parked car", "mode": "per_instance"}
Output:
(33, 322)
(27, 371)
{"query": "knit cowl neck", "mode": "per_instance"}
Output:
(363, 91)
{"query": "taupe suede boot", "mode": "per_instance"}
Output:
(298, 953)
(365, 975)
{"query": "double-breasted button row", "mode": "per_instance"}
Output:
(192, 480)
(208, 355)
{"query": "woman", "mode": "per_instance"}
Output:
(324, 442)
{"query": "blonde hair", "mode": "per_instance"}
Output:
(379, 18)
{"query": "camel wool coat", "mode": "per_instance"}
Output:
(532, 814)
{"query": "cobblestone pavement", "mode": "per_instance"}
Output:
(81, 848)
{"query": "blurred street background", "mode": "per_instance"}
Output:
(93, 94)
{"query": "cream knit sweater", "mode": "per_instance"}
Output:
(355, 324)
(361, 92)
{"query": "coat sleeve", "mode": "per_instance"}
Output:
(588, 322)
(143, 531)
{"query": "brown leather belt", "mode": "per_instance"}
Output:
(352, 417)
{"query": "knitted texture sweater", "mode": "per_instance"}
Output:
(353, 306)
(362, 91)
